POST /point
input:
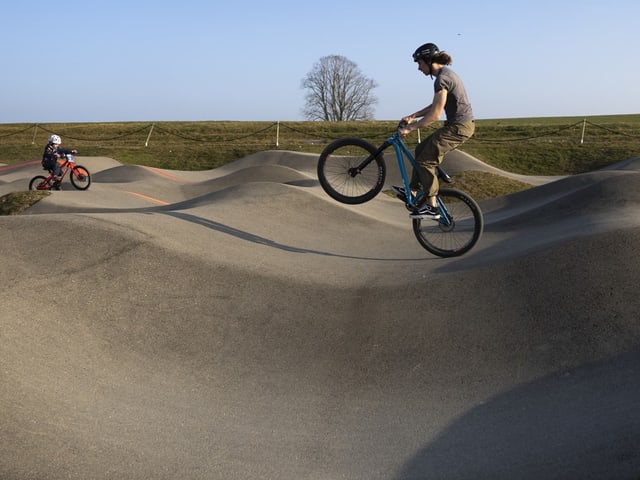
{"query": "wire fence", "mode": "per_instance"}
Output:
(273, 133)
(521, 146)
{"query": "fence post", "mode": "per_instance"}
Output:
(584, 126)
(146, 144)
(35, 131)
(278, 134)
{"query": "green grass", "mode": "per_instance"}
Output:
(529, 146)
(556, 146)
(534, 146)
(15, 203)
(483, 185)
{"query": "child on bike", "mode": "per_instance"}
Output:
(451, 98)
(52, 152)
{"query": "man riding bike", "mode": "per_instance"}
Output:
(450, 97)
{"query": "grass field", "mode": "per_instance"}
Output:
(537, 146)
(540, 146)
(532, 146)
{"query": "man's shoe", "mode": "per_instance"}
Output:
(400, 193)
(426, 211)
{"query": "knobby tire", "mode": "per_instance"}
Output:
(337, 171)
(35, 181)
(80, 177)
(456, 238)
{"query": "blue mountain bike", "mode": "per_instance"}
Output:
(353, 171)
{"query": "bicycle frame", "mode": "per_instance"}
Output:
(65, 167)
(402, 152)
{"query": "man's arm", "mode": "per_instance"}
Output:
(429, 114)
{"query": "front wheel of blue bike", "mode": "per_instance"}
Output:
(350, 172)
(458, 229)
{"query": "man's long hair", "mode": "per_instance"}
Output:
(442, 58)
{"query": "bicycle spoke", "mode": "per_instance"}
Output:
(457, 231)
(345, 176)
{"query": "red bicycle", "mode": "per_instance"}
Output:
(79, 176)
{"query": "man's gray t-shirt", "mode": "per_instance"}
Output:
(458, 107)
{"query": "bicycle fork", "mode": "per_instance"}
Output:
(402, 152)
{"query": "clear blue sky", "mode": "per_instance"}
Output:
(103, 61)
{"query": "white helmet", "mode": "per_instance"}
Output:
(55, 139)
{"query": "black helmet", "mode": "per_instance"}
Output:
(426, 52)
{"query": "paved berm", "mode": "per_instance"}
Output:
(239, 324)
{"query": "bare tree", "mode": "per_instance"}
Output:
(338, 91)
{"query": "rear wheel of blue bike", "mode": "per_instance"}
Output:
(350, 172)
(458, 229)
